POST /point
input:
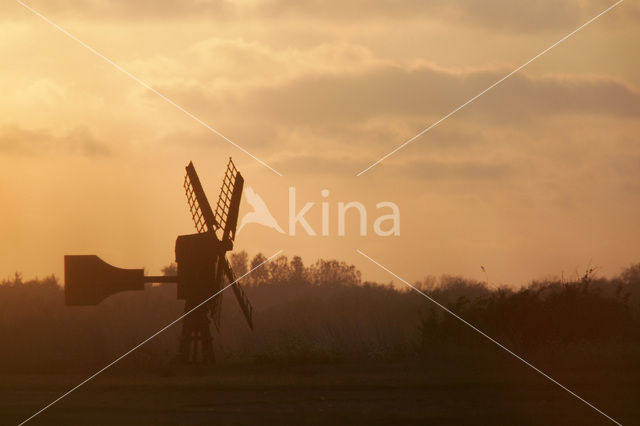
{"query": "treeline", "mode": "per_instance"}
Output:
(324, 312)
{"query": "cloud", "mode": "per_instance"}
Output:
(316, 164)
(428, 92)
(124, 9)
(463, 171)
(422, 169)
(352, 119)
(221, 66)
(494, 15)
(17, 141)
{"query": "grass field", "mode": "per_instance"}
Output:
(329, 349)
(370, 393)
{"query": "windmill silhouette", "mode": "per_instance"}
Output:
(202, 268)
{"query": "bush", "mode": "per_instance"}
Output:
(322, 313)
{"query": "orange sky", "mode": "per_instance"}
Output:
(539, 177)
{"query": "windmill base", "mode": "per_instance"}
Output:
(196, 342)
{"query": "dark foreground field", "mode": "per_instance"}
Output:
(371, 393)
(328, 348)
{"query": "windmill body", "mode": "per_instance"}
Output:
(202, 268)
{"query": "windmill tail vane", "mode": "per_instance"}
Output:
(202, 267)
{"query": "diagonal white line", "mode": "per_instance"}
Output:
(398, 148)
(143, 342)
(491, 339)
(145, 85)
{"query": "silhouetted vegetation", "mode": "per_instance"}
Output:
(325, 313)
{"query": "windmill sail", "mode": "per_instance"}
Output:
(199, 207)
(241, 296)
(227, 216)
(226, 213)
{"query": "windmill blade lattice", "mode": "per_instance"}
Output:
(203, 217)
(231, 179)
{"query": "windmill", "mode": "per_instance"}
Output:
(202, 268)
